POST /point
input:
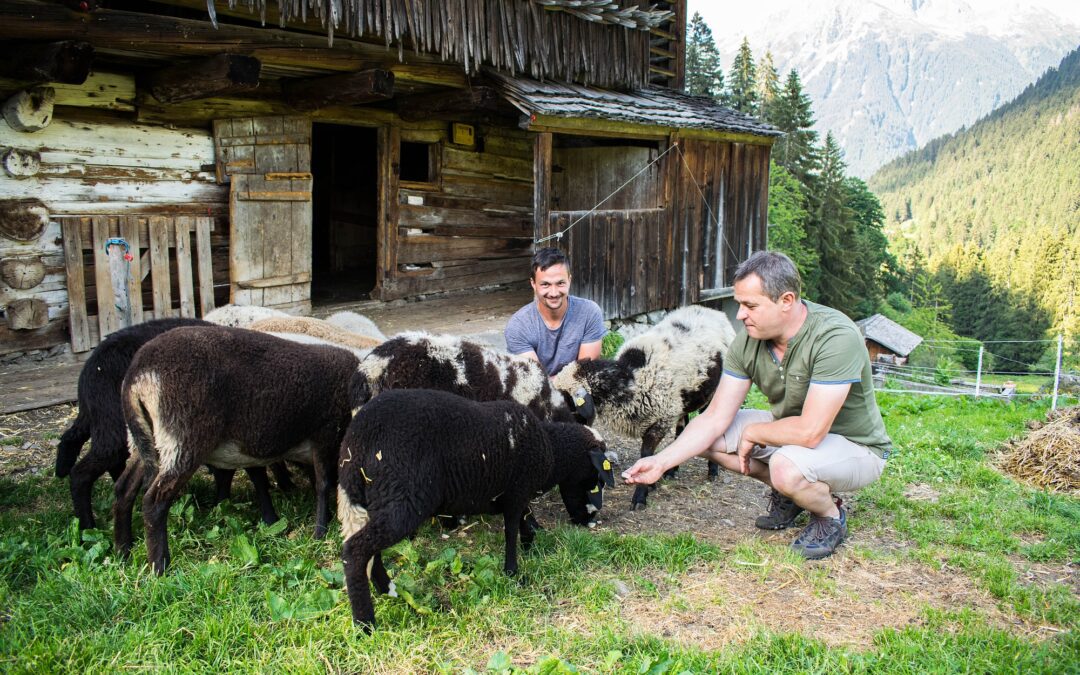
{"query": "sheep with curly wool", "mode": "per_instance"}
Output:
(411, 454)
(356, 323)
(241, 316)
(316, 328)
(417, 360)
(230, 398)
(655, 380)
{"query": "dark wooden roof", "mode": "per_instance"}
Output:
(650, 106)
(594, 41)
(889, 334)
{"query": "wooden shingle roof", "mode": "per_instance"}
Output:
(889, 334)
(651, 106)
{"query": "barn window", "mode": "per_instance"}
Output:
(419, 162)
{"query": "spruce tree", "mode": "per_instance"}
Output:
(788, 218)
(768, 88)
(792, 114)
(832, 232)
(704, 76)
(742, 81)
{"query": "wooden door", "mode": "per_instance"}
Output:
(267, 161)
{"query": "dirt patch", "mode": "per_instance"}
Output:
(1044, 575)
(921, 492)
(28, 439)
(843, 601)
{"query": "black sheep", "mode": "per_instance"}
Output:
(101, 420)
(411, 454)
(230, 398)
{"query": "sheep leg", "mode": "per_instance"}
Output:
(529, 526)
(649, 441)
(223, 480)
(108, 453)
(379, 576)
(325, 481)
(71, 444)
(257, 474)
(163, 491)
(512, 518)
(282, 477)
(126, 489)
(365, 547)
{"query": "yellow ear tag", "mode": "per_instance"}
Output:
(595, 490)
(607, 465)
(579, 401)
(378, 455)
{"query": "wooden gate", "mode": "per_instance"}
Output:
(108, 260)
(267, 161)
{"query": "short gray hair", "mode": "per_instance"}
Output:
(777, 273)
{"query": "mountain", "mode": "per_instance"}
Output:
(887, 76)
(1001, 197)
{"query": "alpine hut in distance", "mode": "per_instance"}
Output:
(161, 158)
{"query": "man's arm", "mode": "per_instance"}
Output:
(698, 436)
(590, 350)
(823, 403)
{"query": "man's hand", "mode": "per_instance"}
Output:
(746, 446)
(645, 471)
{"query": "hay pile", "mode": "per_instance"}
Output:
(1049, 457)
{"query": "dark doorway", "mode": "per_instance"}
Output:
(345, 212)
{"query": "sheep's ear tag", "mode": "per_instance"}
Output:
(603, 467)
(579, 401)
(607, 465)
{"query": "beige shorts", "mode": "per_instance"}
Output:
(839, 463)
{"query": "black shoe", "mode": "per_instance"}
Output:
(782, 513)
(820, 538)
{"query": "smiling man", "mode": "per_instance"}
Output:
(556, 328)
(823, 432)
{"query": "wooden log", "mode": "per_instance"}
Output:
(30, 110)
(27, 314)
(441, 104)
(217, 75)
(541, 183)
(22, 273)
(23, 219)
(68, 61)
(21, 163)
(348, 89)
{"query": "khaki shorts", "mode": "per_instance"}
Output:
(839, 463)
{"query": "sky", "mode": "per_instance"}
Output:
(720, 14)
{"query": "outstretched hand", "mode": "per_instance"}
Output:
(645, 471)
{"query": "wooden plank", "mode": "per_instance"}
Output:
(130, 231)
(185, 285)
(426, 248)
(159, 266)
(73, 265)
(482, 223)
(108, 320)
(204, 264)
(270, 282)
(541, 183)
(389, 142)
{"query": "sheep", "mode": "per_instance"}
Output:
(230, 398)
(317, 328)
(241, 316)
(411, 454)
(417, 360)
(101, 420)
(356, 323)
(656, 379)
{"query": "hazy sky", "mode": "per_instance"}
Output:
(721, 14)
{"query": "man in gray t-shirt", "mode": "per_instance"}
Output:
(556, 328)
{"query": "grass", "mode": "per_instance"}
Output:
(244, 599)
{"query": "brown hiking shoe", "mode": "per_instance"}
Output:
(782, 513)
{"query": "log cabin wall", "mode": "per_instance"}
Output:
(96, 160)
(673, 236)
(470, 225)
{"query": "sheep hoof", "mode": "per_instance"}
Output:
(638, 506)
(367, 627)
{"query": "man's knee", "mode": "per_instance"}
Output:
(785, 476)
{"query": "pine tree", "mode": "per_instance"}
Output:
(832, 232)
(788, 218)
(742, 81)
(869, 249)
(792, 114)
(704, 76)
(768, 88)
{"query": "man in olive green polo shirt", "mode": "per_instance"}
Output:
(823, 432)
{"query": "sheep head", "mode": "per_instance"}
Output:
(589, 385)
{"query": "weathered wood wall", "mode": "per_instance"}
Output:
(470, 227)
(711, 213)
(95, 161)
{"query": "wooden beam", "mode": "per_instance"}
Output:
(217, 75)
(541, 183)
(589, 126)
(427, 106)
(67, 61)
(348, 89)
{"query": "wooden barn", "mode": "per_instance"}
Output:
(887, 340)
(161, 158)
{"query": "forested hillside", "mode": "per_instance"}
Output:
(993, 212)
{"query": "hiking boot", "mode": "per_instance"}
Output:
(782, 513)
(820, 538)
